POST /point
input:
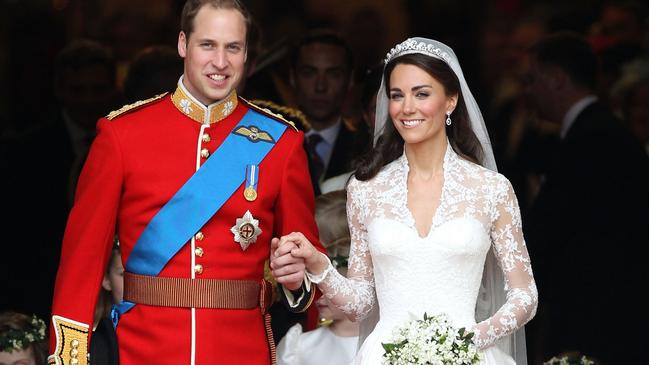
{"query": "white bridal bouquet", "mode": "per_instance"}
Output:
(431, 341)
(572, 359)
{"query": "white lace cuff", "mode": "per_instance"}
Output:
(317, 279)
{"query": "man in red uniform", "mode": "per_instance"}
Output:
(197, 183)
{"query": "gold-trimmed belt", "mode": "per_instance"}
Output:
(197, 293)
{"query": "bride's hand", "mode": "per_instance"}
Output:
(315, 261)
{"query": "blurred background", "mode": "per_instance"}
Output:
(488, 36)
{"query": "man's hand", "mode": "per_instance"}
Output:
(300, 247)
(287, 269)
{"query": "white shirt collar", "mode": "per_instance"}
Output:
(328, 134)
(573, 112)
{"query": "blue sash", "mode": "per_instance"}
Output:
(198, 200)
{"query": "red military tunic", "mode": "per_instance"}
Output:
(138, 161)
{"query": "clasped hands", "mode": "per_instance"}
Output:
(291, 256)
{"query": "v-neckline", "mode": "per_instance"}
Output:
(434, 217)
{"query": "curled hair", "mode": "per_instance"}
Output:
(460, 134)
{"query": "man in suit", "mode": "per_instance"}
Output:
(195, 184)
(41, 166)
(588, 229)
(321, 75)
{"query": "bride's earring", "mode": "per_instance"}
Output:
(448, 118)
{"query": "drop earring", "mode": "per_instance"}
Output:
(448, 118)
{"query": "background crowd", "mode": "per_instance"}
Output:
(583, 191)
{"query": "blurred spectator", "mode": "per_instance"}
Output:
(22, 339)
(369, 89)
(517, 136)
(336, 340)
(587, 227)
(322, 75)
(631, 97)
(154, 70)
(616, 37)
(103, 348)
(41, 167)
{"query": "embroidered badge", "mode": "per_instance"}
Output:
(254, 134)
(246, 230)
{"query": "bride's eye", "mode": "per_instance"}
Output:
(396, 96)
(422, 95)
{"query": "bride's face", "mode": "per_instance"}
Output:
(418, 104)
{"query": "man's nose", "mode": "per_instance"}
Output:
(220, 60)
(321, 83)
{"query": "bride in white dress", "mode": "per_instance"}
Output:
(428, 213)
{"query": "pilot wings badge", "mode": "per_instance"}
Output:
(254, 134)
(246, 230)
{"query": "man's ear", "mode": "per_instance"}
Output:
(182, 44)
(291, 77)
(105, 283)
(350, 84)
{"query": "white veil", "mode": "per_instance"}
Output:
(492, 293)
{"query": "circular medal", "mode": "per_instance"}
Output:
(247, 231)
(250, 193)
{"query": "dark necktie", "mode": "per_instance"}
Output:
(316, 162)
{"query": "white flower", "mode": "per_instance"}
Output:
(430, 341)
(186, 106)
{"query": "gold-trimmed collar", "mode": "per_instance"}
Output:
(194, 109)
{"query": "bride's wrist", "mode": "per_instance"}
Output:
(318, 269)
(318, 264)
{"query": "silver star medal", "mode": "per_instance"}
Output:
(246, 230)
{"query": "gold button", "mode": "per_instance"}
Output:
(74, 343)
(198, 252)
(198, 269)
(74, 361)
(199, 236)
(74, 353)
(206, 138)
(205, 153)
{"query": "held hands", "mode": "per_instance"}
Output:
(290, 256)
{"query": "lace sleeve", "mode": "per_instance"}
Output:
(513, 258)
(354, 295)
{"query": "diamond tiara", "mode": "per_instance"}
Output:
(413, 46)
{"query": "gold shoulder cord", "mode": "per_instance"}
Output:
(130, 107)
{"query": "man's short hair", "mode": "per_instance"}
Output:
(323, 36)
(192, 7)
(83, 53)
(571, 53)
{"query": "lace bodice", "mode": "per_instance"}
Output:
(439, 273)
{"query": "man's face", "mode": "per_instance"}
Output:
(321, 80)
(86, 94)
(214, 53)
(539, 90)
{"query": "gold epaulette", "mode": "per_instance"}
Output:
(131, 107)
(270, 113)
